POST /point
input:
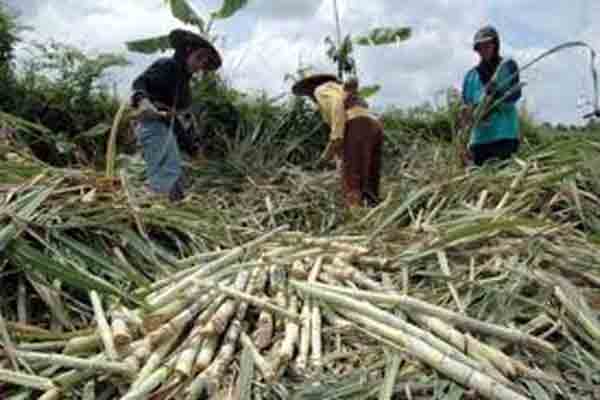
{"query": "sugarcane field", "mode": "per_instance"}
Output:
(173, 232)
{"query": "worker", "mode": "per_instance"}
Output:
(356, 136)
(495, 83)
(159, 93)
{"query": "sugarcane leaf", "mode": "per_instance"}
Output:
(537, 390)
(229, 8)
(368, 91)
(383, 36)
(150, 45)
(183, 11)
(246, 375)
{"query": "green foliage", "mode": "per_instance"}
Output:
(64, 90)
(229, 8)
(8, 39)
(383, 36)
(341, 55)
(182, 10)
(150, 45)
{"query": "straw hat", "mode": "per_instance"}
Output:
(180, 39)
(307, 86)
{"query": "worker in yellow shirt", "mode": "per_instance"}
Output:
(356, 136)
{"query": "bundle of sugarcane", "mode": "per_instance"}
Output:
(472, 278)
(276, 296)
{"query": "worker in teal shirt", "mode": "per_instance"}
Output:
(496, 136)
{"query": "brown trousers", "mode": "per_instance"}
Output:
(361, 162)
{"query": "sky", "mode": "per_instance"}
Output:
(271, 38)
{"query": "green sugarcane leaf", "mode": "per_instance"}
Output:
(183, 11)
(383, 36)
(150, 45)
(369, 91)
(229, 8)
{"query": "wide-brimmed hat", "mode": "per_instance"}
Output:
(181, 38)
(307, 86)
(484, 35)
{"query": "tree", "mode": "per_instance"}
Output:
(8, 39)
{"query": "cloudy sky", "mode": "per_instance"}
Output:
(273, 37)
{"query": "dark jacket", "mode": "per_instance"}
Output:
(166, 83)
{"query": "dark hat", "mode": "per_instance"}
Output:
(485, 34)
(307, 86)
(180, 39)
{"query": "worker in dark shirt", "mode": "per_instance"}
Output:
(159, 93)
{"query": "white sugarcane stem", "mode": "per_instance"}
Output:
(316, 342)
(305, 335)
(142, 390)
(263, 365)
(173, 327)
(207, 353)
(174, 291)
(89, 391)
(444, 265)
(411, 304)
(155, 360)
(457, 371)
(8, 343)
(120, 332)
(469, 345)
(119, 368)
(220, 320)
(26, 380)
(253, 300)
(103, 327)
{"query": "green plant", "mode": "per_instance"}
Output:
(186, 13)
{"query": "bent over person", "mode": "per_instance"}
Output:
(159, 93)
(497, 134)
(356, 136)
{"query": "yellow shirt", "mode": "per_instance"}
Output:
(331, 97)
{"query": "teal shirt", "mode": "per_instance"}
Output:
(503, 123)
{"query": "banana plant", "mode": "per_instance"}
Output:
(185, 12)
(341, 51)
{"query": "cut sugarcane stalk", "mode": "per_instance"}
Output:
(119, 368)
(207, 353)
(219, 321)
(83, 344)
(263, 365)
(459, 372)
(305, 335)
(120, 332)
(173, 291)
(103, 327)
(411, 304)
(469, 345)
(292, 333)
(26, 380)
(175, 325)
(254, 301)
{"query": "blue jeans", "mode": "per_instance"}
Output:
(161, 154)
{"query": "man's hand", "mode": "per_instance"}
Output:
(334, 149)
(145, 108)
(491, 88)
(465, 116)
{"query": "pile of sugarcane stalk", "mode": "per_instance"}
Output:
(477, 283)
(276, 296)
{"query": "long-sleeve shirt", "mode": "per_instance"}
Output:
(503, 122)
(331, 98)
